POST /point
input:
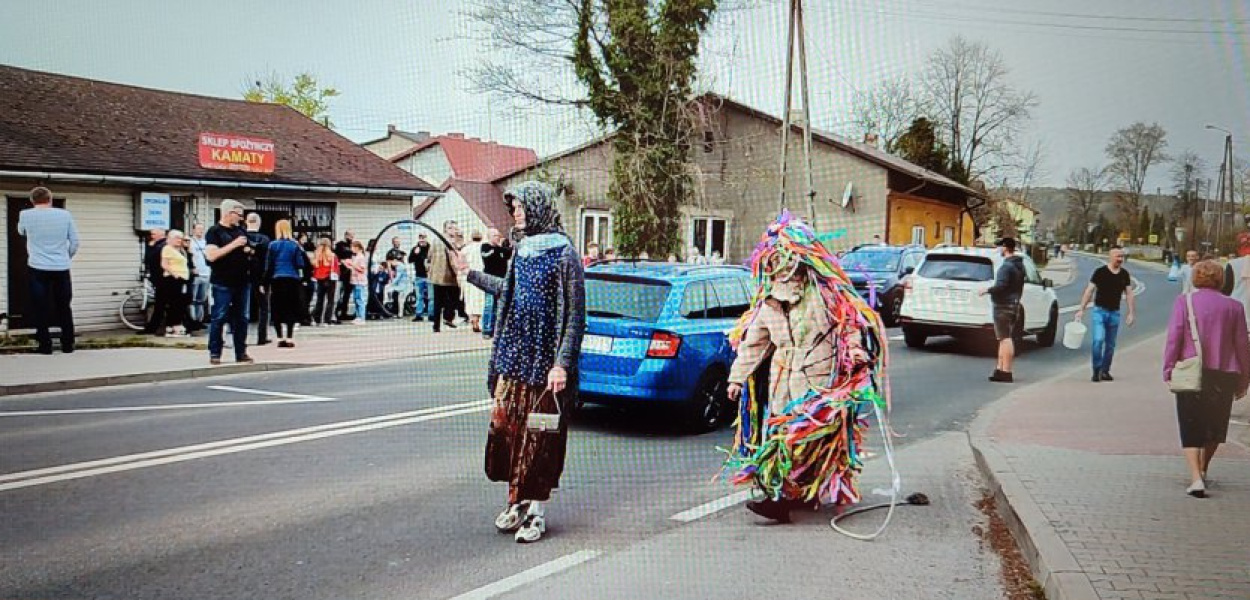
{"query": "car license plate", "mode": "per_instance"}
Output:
(597, 344)
(952, 294)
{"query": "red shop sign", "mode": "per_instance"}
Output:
(229, 152)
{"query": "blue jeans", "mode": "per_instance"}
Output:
(229, 306)
(360, 294)
(1105, 327)
(488, 316)
(421, 288)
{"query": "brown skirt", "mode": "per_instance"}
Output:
(530, 461)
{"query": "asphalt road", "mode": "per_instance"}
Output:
(366, 481)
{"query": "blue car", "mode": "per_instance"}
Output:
(656, 333)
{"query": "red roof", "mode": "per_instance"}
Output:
(57, 123)
(485, 199)
(472, 159)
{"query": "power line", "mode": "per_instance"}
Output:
(1070, 15)
(1072, 26)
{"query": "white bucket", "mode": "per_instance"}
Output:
(1073, 335)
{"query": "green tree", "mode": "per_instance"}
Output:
(1143, 223)
(303, 93)
(639, 78)
(920, 145)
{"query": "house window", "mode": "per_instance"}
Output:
(597, 229)
(918, 235)
(948, 235)
(709, 236)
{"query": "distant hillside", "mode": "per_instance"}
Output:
(1053, 204)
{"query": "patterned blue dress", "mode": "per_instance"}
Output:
(526, 349)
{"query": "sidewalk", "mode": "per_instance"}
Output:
(1092, 481)
(314, 346)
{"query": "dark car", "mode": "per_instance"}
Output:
(877, 273)
(655, 335)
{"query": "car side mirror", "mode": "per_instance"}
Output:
(1047, 284)
(909, 271)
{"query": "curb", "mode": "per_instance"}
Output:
(1052, 563)
(196, 373)
(115, 380)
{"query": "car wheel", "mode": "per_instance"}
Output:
(914, 338)
(709, 407)
(1046, 338)
(892, 309)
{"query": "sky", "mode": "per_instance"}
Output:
(1095, 66)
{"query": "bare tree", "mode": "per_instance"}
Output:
(1085, 186)
(967, 88)
(887, 110)
(1133, 150)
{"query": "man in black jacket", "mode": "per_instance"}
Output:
(1005, 295)
(153, 272)
(259, 243)
(420, 258)
(343, 250)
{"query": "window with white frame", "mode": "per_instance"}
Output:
(709, 236)
(597, 229)
(948, 235)
(918, 235)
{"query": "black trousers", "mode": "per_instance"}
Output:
(261, 293)
(446, 298)
(50, 295)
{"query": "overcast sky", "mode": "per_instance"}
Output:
(1095, 66)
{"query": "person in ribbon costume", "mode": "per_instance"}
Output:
(804, 446)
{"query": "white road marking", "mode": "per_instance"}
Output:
(23, 479)
(118, 409)
(528, 576)
(712, 507)
(227, 388)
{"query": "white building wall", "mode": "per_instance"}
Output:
(431, 165)
(391, 146)
(108, 260)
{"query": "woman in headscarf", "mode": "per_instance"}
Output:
(540, 319)
(803, 447)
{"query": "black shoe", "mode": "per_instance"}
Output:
(66, 349)
(1096, 377)
(774, 510)
(44, 349)
(263, 342)
(449, 324)
(418, 319)
(1001, 376)
(1106, 376)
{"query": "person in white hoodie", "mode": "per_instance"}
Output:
(1237, 278)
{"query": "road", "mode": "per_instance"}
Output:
(366, 481)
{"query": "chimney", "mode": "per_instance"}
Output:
(457, 136)
(871, 139)
(423, 135)
(390, 128)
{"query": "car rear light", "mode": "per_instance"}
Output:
(664, 345)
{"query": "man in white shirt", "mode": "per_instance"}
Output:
(1187, 271)
(200, 286)
(51, 243)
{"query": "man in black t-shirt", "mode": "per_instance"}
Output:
(495, 256)
(152, 266)
(228, 251)
(343, 250)
(420, 260)
(1105, 288)
(259, 307)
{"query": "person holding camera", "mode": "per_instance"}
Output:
(228, 252)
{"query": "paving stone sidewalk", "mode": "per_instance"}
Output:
(1094, 484)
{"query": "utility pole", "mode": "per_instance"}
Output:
(1192, 206)
(1226, 170)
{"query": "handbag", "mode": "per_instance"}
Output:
(1187, 374)
(541, 422)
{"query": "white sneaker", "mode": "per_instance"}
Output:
(511, 518)
(358, 322)
(1197, 489)
(533, 529)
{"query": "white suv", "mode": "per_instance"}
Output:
(942, 298)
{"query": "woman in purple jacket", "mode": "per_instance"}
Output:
(1203, 416)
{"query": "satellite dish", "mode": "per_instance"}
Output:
(847, 195)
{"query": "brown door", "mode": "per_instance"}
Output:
(19, 282)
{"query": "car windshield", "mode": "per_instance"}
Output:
(957, 268)
(870, 260)
(634, 299)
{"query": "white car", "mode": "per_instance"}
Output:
(943, 298)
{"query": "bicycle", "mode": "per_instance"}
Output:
(137, 305)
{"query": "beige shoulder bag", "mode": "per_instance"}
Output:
(1187, 374)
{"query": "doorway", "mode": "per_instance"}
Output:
(19, 280)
